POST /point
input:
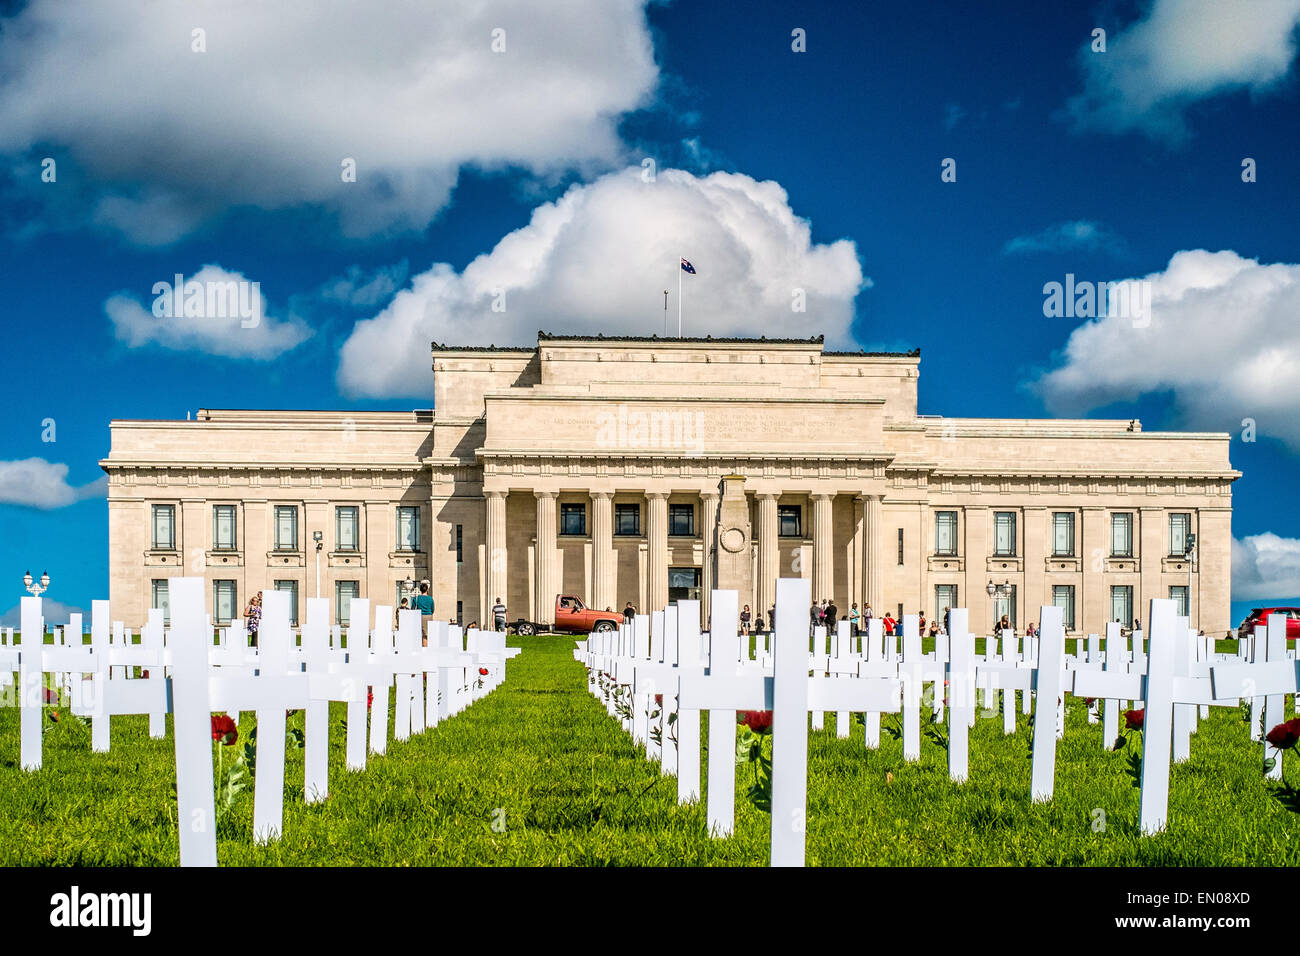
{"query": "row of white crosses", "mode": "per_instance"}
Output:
(271, 679)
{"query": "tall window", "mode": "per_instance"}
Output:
(291, 587)
(1004, 534)
(627, 519)
(460, 543)
(158, 598)
(344, 592)
(1063, 597)
(788, 521)
(945, 532)
(286, 528)
(223, 527)
(224, 608)
(1178, 594)
(573, 518)
(408, 528)
(1062, 534)
(1121, 604)
(681, 520)
(347, 528)
(900, 551)
(945, 597)
(1180, 525)
(1121, 535)
(164, 527)
(1005, 604)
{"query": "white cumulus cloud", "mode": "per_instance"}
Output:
(219, 313)
(285, 92)
(1223, 339)
(1265, 567)
(1182, 51)
(598, 260)
(37, 483)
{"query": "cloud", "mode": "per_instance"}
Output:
(170, 138)
(1064, 237)
(598, 259)
(952, 115)
(362, 290)
(1181, 52)
(55, 614)
(1223, 340)
(1265, 567)
(227, 317)
(37, 483)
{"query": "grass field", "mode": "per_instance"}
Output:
(574, 790)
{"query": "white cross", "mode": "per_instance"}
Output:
(1271, 677)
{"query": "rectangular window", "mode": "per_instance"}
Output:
(627, 519)
(1121, 604)
(164, 527)
(945, 598)
(681, 520)
(788, 521)
(408, 528)
(347, 528)
(1063, 534)
(1063, 597)
(292, 588)
(344, 592)
(224, 609)
(945, 532)
(286, 528)
(460, 543)
(1121, 535)
(573, 518)
(158, 598)
(1178, 594)
(1004, 534)
(1005, 605)
(1180, 525)
(223, 527)
(900, 547)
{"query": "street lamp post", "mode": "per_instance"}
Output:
(36, 589)
(995, 591)
(317, 536)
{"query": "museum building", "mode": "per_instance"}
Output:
(646, 470)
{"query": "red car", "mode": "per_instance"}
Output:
(1259, 615)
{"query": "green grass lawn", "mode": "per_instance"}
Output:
(574, 790)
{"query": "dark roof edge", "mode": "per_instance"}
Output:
(914, 353)
(544, 336)
(440, 347)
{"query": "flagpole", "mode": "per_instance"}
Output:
(680, 270)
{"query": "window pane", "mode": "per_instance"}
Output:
(627, 519)
(788, 521)
(1178, 594)
(945, 532)
(291, 587)
(223, 533)
(160, 599)
(164, 527)
(1121, 537)
(1179, 525)
(408, 528)
(1063, 534)
(344, 592)
(681, 519)
(345, 531)
(223, 601)
(1121, 604)
(573, 519)
(1063, 597)
(286, 528)
(945, 597)
(1004, 533)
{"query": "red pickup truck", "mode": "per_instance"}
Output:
(573, 617)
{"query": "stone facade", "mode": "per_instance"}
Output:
(624, 469)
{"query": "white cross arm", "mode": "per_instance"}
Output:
(1108, 685)
(1254, 680)
(876, 695)
(1006, 676)
(290, 692)
(697, 692)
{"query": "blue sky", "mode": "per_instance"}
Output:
(517, 162)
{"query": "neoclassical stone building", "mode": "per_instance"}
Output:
(648, 469)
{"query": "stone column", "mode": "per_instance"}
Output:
(768, 554)
(709, 534)
(496, 548)
(547, 578)
(823, 554)
(602, 551)
(873, 576)
(657, 559)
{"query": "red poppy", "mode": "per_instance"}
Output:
(224, 729)
(1286, 735)
(1089, 701)
(483, 671)
(51, 695)
(370, 699)
(759, 721)
(144, 673)
(659, 698)
(1133, 719)
(54, 716)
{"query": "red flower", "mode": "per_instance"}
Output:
(1286, 735)
(370, 699)
(54, 716)
(1089, 701)
(224, 729)
(759, 721)
(483, 671)
(144, 673)
(1133, 719)
(51, 695)
(659, 698)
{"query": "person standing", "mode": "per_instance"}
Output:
(745, 617)
(889, 623)
(424, 601)
(947, 620)
(499, 616)
(831, 613)
(629, 612)
(853, 619)
(814, 616)
(253, 614)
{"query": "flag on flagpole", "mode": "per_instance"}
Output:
(687, 267)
